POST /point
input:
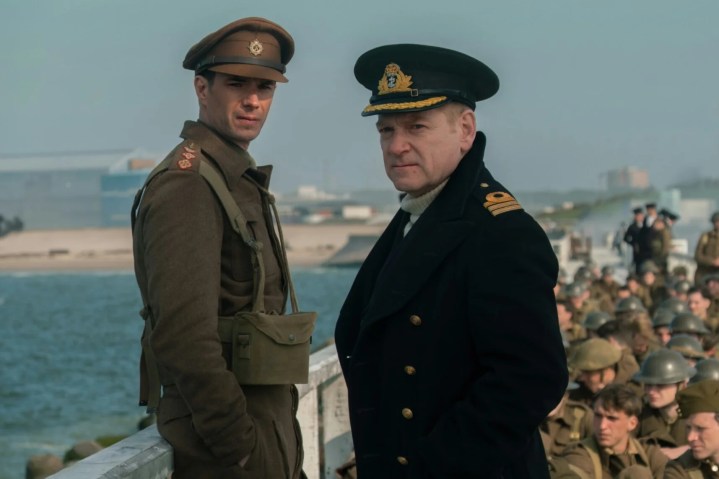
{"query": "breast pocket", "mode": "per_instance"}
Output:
(239, 253)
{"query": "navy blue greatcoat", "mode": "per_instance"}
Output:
(449, 340)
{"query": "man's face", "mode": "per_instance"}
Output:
(638, 217)
(422, 149)
(236, 107)
(698, 304)
(664, 334)
(565, 316)
(612, 428)
(713, 287)
(597, 380)
(703, 435)
(660, 395)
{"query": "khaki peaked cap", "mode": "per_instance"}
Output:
(249, 47)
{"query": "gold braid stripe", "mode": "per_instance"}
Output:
(506, 209)
(402, 106)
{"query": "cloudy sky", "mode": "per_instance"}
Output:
(586, 86)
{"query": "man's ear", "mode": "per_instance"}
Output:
(467, 129)
(633, 423)
(202, 85)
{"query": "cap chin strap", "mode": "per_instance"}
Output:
(214, 60)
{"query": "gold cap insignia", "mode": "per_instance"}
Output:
(394, 80)
(255, 47)
(500, 202)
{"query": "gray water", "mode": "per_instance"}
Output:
(69, 350)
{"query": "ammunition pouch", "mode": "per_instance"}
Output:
(269, 348)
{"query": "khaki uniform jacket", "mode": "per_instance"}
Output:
(707, 250)
(654, 428)
(649, 456)
(572, 423)
(686, 467)
(191, 268)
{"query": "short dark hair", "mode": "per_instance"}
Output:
(209, 75)
(620, 397)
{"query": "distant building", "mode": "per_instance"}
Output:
(71, 189)
(628, 178)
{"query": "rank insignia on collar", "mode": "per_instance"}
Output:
(184, 163)
(394, 81)
(500, 202)
(255, 47)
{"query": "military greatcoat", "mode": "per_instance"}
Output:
(191, 268)
(449, 339)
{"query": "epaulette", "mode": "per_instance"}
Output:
(499, 202)
(186, 157)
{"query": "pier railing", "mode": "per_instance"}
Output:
(322, 415)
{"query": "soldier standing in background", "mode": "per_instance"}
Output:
(706, 253)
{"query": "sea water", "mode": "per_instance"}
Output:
(69, 352)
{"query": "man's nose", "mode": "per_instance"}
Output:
(397, 144)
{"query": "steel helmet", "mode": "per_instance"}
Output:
(632, 303)
(583, 273)
(706, 369)
(664, 367)
(687, 346)
(594, 354)
(595, 320)
(688, 323)
(675, 305)
(662, 317)
(573, 290)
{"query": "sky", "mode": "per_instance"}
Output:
(585, 86)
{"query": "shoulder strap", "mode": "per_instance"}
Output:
(591, 447)
(574, 433)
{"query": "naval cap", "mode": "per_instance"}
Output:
(410, 77)
(250, 47)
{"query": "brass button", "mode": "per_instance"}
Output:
(411, 371)
(402, 460)
(415, 320)
(407, 413)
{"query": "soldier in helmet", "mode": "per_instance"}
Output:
(571, 331)
(688, 346)
(653, 289)
(699, 406)
(661, 322)
(595, 364)
(578, 296)
(687, 323)
(679, 289)
(612, 452)
(568, 422)
(663, 374)
(634, 317)
(675, 305)
(706, 369)
(605, 289)
(594, 321)
(706, 253)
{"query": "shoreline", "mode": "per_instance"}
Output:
(110, 249)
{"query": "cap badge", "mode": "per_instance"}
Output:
(255, 47)
(394, 81)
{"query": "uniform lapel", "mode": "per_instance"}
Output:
(439, 230)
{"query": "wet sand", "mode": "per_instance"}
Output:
(111, 248)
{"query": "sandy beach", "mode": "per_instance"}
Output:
(111, 248)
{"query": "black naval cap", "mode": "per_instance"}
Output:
(409, 77)
(638, 210)
(250, 47)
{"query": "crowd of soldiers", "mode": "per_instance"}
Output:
(633, 348)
